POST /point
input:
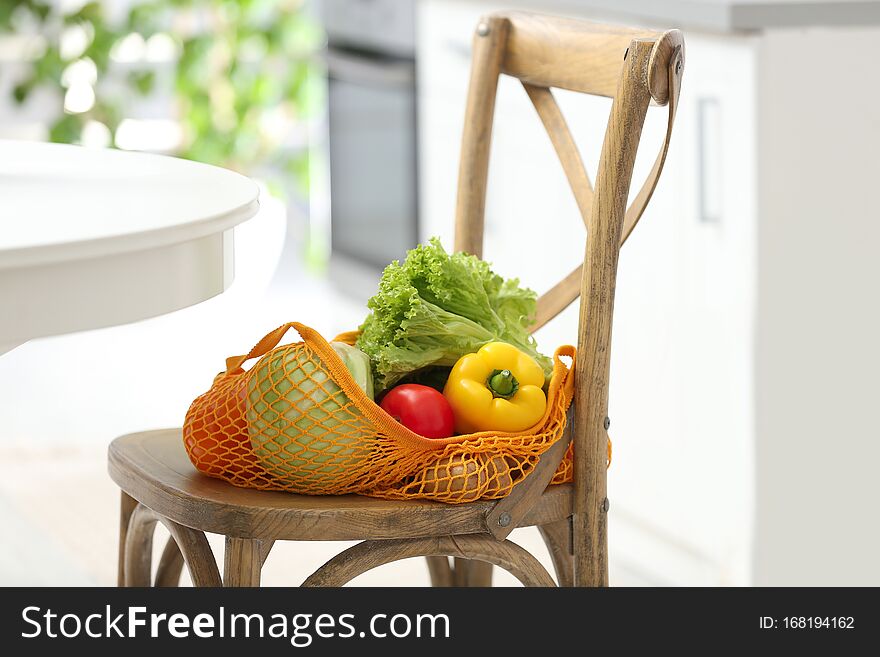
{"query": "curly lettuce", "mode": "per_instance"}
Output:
(435, 307)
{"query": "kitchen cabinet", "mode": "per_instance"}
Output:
(746, 309)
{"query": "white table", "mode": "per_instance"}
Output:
(95, 238)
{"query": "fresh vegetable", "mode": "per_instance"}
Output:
(358, 365)
(454, 474)
(301, 424)
(434, 308)
(433, 376)
(469, 473)
(499, 388)
(420, 409)
(501, 474)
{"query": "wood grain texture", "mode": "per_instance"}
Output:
(137, 563)
(558, 298)
(480, 573)
(488, 48)
(597, 306)
(551, 51)
(243, 560)
(127, 505)
(557, 537)
(265, 548)
(563, 143)
(675, 67)
(667, 47)
(367, 555)
(470, 573)
(440, 572)
(192, 544)
(508, 512)
(170, 565)
(196, 552)
(153, 467)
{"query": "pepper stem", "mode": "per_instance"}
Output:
(502, 383)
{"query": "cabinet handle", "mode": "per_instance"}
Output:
(709, 174)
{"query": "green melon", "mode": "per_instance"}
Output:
(302, 426)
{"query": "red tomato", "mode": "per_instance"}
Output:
(420, 409)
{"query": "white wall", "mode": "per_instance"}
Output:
(817, 359)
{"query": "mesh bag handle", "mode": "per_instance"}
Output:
(263, 347)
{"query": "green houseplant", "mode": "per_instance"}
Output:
(238, 76)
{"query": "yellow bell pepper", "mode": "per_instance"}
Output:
(499, 388)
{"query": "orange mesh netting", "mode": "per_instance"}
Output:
(297, 421)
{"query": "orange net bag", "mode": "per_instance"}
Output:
(297, 421)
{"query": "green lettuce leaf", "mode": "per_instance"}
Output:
(435, 307)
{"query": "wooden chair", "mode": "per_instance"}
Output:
(159, 484)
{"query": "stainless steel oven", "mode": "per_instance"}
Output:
(372, 130)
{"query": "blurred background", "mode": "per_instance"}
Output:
(744, 358)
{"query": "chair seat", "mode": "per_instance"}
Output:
(153, 468)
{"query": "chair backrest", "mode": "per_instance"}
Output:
(633, 67)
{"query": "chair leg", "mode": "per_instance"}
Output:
(243, 561)
(440, 571)
(590, 550)
(186, 545)
(196, 552)
(367, 555)
(557, 538)
(126, 506)
(138, 557)
(462, 572)
(468, 572)
(265, 548)
(170, 565)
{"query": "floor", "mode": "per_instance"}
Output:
(66, 398)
